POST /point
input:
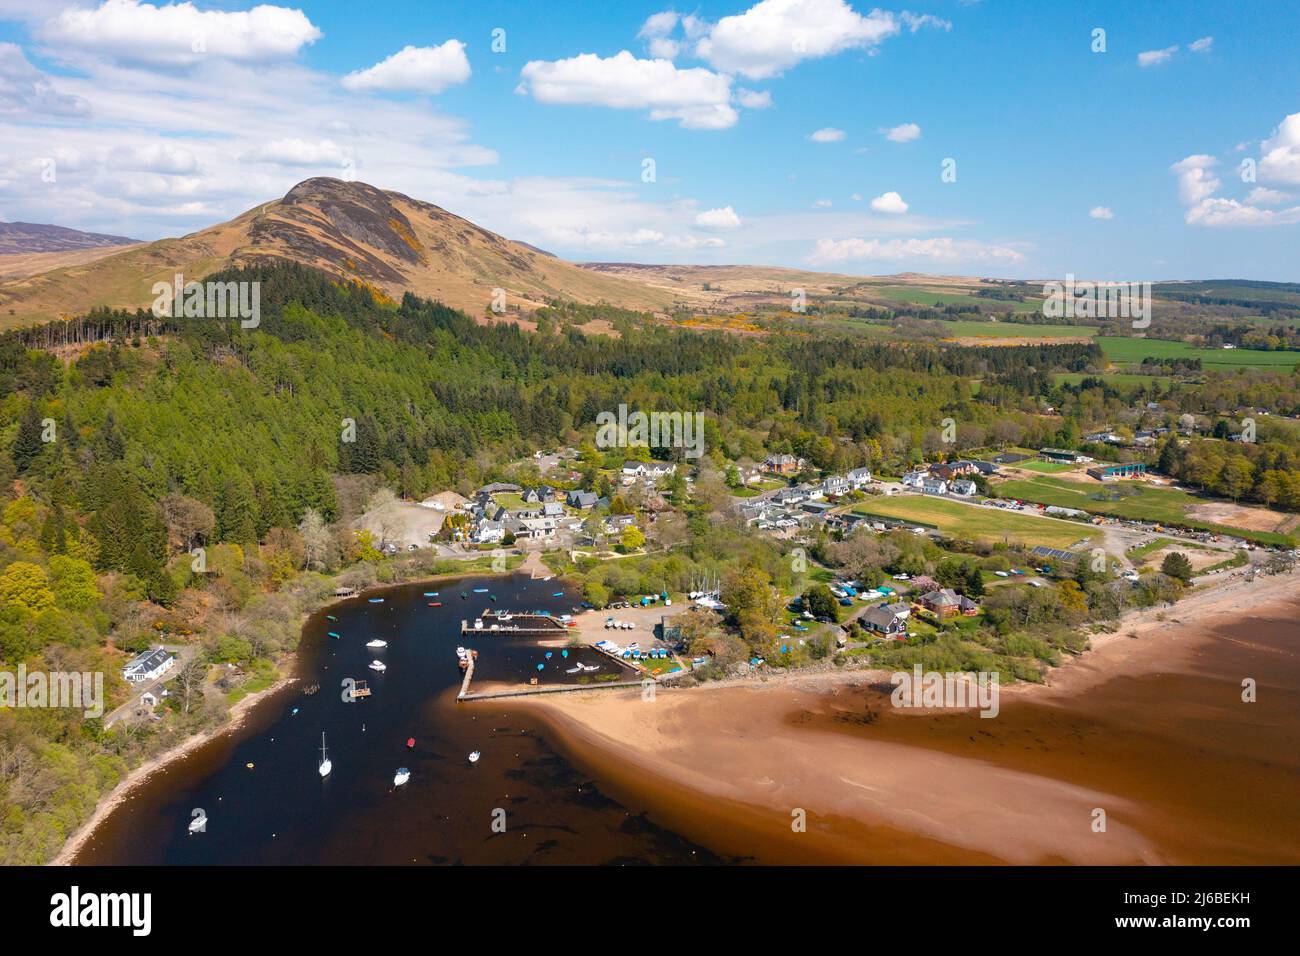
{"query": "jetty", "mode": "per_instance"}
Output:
(469, 675)
(550, 689)
(521, 623)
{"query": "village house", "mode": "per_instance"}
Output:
(914, 479)
(964, 487)
(836, 485)
(148, 666)
(985, 467)
(954, 469)
(488, 531)
(784, 464)
(934, 486)
(582, 499)
(790, 496)
(948, 603)
(859, 478)
(616, 523)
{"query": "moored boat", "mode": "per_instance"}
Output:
(401, 776)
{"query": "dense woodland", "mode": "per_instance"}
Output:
(126, 442)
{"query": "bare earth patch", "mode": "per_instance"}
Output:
(1242, 516)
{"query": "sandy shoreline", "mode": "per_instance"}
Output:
(729, 763)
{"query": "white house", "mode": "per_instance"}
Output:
(963, 487)
(489, 531)
(148, 666)
(914, 479)
(836, 485)
(934, 486)
(860, 477)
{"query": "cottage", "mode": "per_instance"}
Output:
(914, 479)
(882, 620)
(790, 496)
(964, 487)
(148, 666)
(859, 478)
(489, 531)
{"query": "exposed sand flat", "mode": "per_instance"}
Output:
(728, 765)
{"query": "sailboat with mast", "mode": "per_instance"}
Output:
(325, 765)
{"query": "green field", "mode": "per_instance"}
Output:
(1145, 503)
(976, 522)
(1116, 380)
(1126, 350)
(1046, 467)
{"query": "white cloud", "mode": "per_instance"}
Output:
(1281, 160)
(1101, 212)
(159, 158)
(1262, 196)
(774, 35)
(889, 202)
(723, 218)
(180, 33)
(827, 134)
(1203, 45)
(903, 133)
(25, 88)
(299, 152)
(697, 98)
(1197, 185)
(1196, 181)
(753, 99)
(822, 204)
(429, 69)
(936, 250)
(1156, 57)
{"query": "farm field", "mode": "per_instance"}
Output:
(932, 298)
(1118, 380)
(1126, 350)
(1145, 502)
(1046, 467)
(966, 328)
(976, 522)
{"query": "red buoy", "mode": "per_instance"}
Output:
(410, 742)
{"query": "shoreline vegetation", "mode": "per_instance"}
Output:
(238, 713)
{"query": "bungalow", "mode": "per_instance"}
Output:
(964, 487)
(836, 485)
(934, 486)
(148, 666)
(883, 620)
(985, 467)
(860, 478)
(811, 491)
(582, 499)
(948, 603)
(783, 464)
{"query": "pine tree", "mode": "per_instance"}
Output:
(27, 444)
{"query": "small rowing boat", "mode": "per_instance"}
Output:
(334, 634)
(401, 776)
(376, 643)
(376, 600)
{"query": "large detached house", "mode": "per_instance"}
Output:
(783, 464)
(948, 603)
(148, 666)
(859, 478)
(934, 486)
(835, 486)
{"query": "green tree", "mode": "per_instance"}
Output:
(1176, 565)
(25, 585)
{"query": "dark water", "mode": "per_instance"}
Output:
(281, 812)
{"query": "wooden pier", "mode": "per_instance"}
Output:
(549, 689)
(469, 674)
(522, 624)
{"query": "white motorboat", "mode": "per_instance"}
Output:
(401, 776)
(378, 666)
(376, 643)
(325, 765)
(474, 755)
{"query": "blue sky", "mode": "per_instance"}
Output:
(1124, 164)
